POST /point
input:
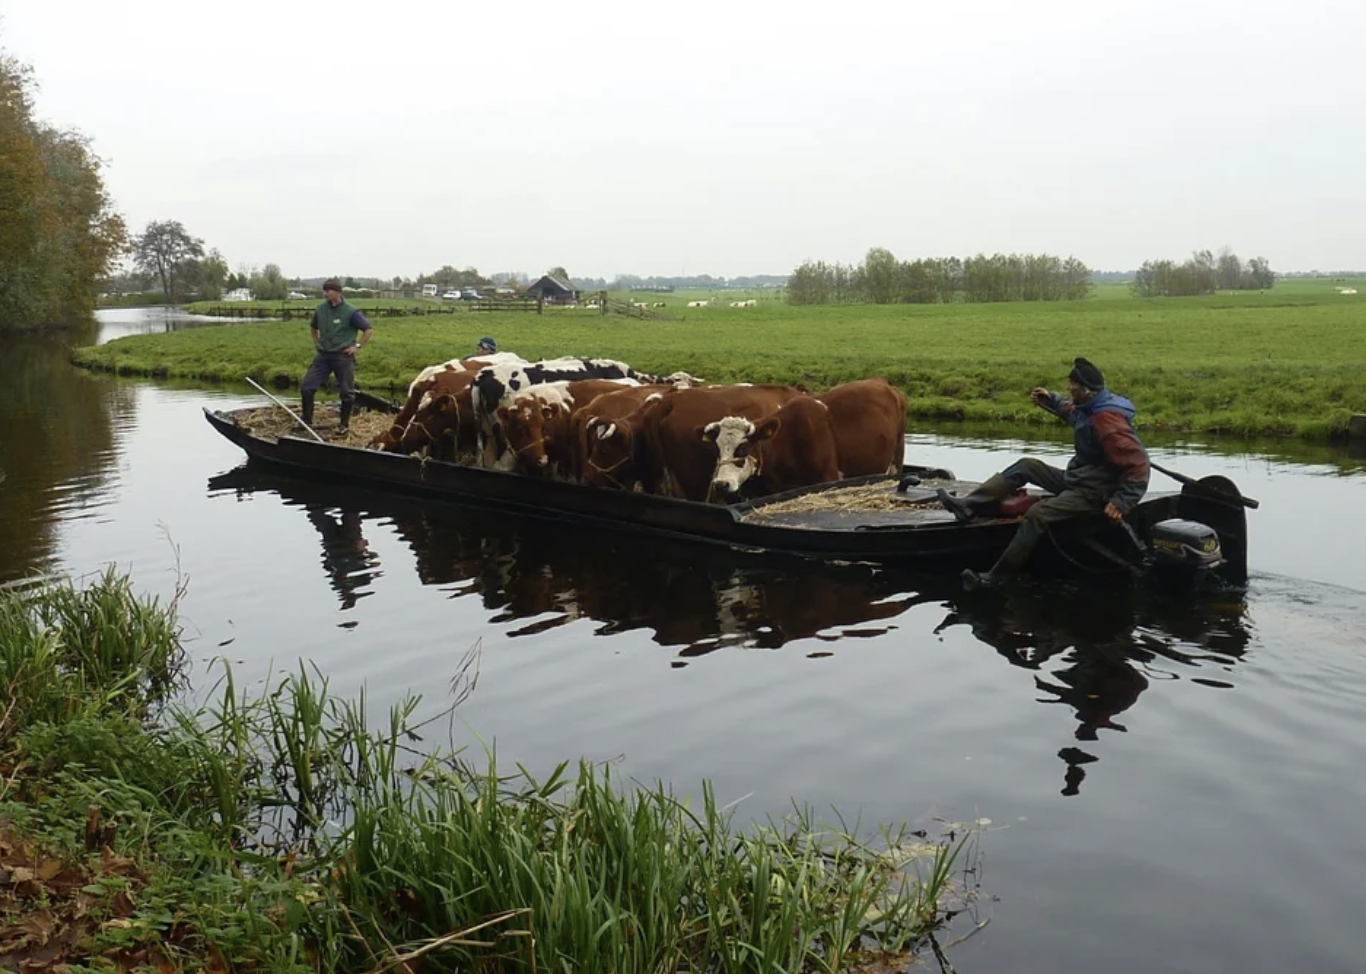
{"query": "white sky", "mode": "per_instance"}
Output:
(723, 138)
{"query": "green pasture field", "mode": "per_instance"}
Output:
(1286, 362)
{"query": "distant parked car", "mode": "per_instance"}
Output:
(451, 296)
(296, 296)
(471, 295)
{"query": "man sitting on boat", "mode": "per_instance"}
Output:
(1108, 473)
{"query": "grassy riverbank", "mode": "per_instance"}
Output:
(280, 833)
(1280, 363)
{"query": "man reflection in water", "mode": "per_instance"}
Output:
(347, 558)
(1104, 648)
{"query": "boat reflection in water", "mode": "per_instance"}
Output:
(1094, 647)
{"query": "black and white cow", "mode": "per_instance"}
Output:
(498, 385)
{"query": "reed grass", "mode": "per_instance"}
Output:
(281, 831)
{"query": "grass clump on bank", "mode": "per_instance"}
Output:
(282, 833)
(1246, 365)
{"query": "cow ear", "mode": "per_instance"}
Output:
(709, 432)
(446, 404)
(764, 430)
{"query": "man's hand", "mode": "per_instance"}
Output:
(1113, 513)
(352, 350)
(1041, 397)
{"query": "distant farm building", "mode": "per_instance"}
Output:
(239, 294)
(553, 291)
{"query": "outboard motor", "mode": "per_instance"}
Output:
(1185, 551)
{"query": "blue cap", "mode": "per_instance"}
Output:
(487, 344)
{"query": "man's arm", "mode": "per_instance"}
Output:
(1126, 454)
(313, 328)
(361, 324)
(1052, 402)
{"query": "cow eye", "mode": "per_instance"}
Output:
(742, 449)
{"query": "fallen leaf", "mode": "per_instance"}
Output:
(49, 869)
(20, 874)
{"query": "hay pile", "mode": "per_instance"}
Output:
(272, 422)
(869, 497)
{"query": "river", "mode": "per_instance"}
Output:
(1169, 784)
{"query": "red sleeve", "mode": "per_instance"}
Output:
(1121, 446)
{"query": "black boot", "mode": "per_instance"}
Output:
(980, 502)
(1010, 563)
(306, 409)
(345, 426)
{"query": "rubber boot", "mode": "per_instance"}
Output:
(980, 502)
(306, 409)
(1011, 562)
(345, 426)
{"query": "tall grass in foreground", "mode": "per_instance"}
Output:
(281, 832)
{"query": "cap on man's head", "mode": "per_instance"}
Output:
(1085, 374)
(487, 344)
(332, 284)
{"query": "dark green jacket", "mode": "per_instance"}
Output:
(339, 326)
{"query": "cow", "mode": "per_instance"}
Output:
(444, 422)
(679, 459)
(853, 430)
(419, 388)
(537, 424)
(869, 420)
(791, 447)
(498, 385)
(608, 434)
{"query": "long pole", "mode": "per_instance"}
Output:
(1211, 491)
(286, 409)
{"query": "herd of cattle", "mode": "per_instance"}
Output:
(601, 423)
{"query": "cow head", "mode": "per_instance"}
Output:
(439, 417)
(608, 449)
(523, 426)
(737, 456)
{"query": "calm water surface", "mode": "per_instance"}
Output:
(1170, 785)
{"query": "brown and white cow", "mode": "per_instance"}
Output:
(859, 429)
(420, 387)
(537, 425)
(444, 422)
(609, 438)
(679, 459)
(794, 446)
(498, 385)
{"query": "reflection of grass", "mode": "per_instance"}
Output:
(282, 833)
(1285, 362)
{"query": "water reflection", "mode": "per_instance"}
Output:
(57, 447)
(1093, 648)
(1096, 650)
(350, 563)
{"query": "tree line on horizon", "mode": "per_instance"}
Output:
(883, 279)
(1202, 273)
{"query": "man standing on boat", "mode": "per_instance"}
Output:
(1108, 473)
(339, 332)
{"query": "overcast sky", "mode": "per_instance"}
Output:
(723, 138)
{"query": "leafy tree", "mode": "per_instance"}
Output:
(59, 233)
(560, 274)
(881, 274)
(270, 284)
(167, 252)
